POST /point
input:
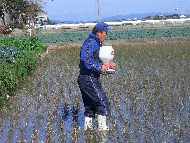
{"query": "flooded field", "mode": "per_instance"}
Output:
(149, 97)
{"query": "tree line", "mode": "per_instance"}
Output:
(17, 13)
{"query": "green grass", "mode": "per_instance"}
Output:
(13, 69)
(115, 35)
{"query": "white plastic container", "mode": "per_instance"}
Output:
(106, 54)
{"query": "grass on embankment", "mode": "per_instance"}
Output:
(17, 59)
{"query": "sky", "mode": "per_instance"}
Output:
(87, 10)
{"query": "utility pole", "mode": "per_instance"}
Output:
(99, 11)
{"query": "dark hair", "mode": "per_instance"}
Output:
(96, 30)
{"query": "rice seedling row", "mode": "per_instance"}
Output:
(149, 98)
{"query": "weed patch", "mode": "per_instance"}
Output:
(18, 58)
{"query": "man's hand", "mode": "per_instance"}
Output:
(111, 65)
(104, 67)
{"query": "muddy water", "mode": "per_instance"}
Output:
(49, 108)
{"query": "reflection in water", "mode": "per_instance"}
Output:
(64, 113)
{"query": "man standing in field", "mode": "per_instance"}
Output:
(94, 98)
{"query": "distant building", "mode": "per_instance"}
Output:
(182, 16)
(41, 19)
(159, 17)
(179, 16)
(42, 16)
(168, 16)
(176, 16)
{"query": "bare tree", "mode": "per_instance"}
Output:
(17, 11)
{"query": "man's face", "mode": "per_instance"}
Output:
(102, 36)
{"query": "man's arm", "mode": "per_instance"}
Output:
(87, 55)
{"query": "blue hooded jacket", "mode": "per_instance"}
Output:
(90, 63)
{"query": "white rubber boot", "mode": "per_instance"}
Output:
(102, 123)
(88, 123)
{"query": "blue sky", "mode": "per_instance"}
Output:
(87, 10)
